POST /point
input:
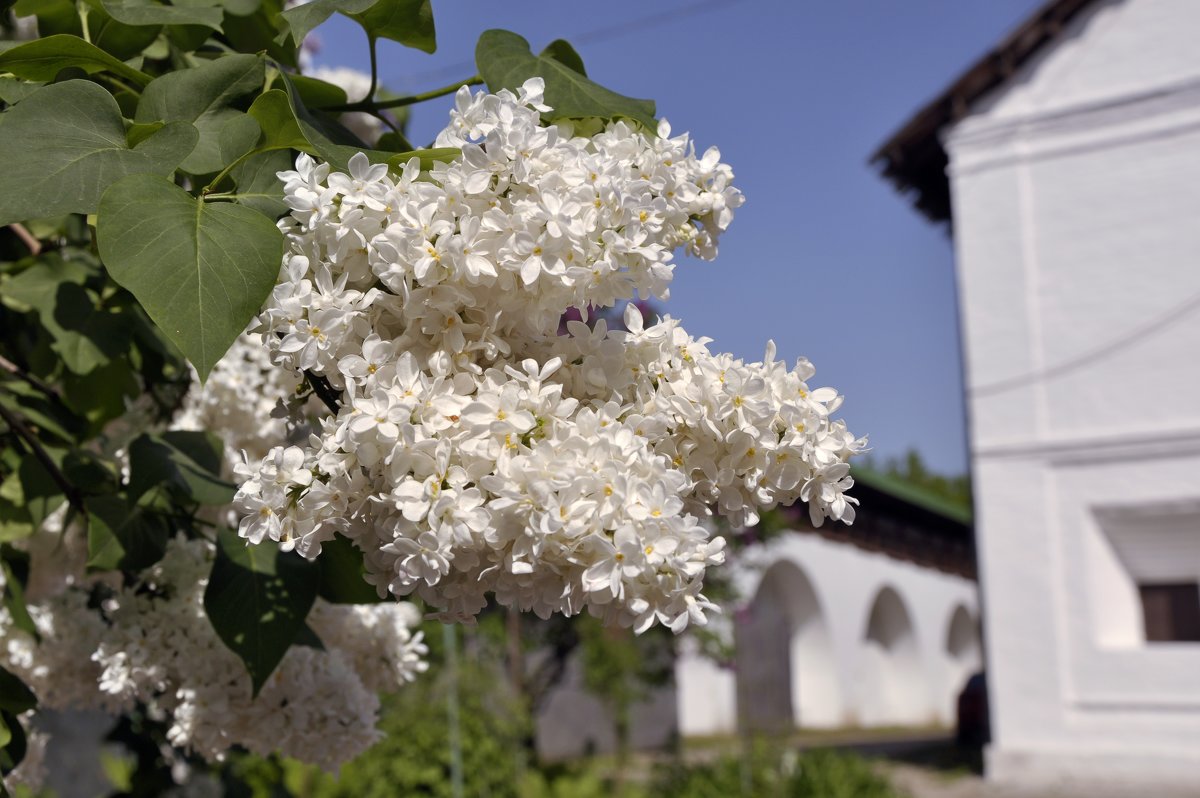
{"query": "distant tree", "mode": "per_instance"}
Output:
(912, 469)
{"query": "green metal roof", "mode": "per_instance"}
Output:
(913, 494)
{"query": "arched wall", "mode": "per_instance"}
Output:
(788, 672)
(894, 689)
(964, 654)
(835, 672)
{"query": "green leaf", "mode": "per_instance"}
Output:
(188, 37)
(239, 8)
(204, 96)
(308, 638)
(332, 141)
(303, 18)
(200, 269)
(121, 537)
(428, 158)
(37, 287)
(116, 38)
(189, 462)
(46, 415)
(89, 472)
(505, 62)
(83, 335)
(562, 52)
(147, 12)
(393, 141)
(259, 32)
(100, 395)
(317, 93)
(13, 736)
(205, 449)
(15, 696)
(273, 112)
(257, 599)
(342, 572)
(14, 524)
(409, 22)
(41, 494)
(15, 565)
(53, 16)
(43, 59)
(13, 90)
(65, 144)
(135, 134)
(238, 137)
(257, 185)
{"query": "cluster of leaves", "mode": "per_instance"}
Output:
(415, 756)
(496, 722)
(912, 469)
(138, 237)
(766, 773)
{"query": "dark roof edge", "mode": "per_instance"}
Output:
(913, 159)
(911, 494)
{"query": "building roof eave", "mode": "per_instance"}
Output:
(913, 159)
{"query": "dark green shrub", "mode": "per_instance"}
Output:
(764, 773)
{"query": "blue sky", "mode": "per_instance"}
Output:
(824, 257)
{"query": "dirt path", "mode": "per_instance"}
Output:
(923, 782)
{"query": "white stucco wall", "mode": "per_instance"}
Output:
(873, 640)
(1076, 192)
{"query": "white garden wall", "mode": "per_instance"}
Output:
(866, 640)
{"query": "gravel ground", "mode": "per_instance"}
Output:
(924, 782)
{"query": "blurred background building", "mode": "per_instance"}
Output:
(863, 626)
(1067, 165)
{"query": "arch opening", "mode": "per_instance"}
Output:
(894, 685)
(787, 673)
(964, 655)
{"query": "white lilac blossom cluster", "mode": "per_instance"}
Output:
(477, 451)
(152, 643)
(246, 401)
(161, 650)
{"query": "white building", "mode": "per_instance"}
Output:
(871, 625)
(1069, 161)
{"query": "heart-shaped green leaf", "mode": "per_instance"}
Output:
(257, 185)
(301, 19)
(15, 697)
(562, 51)
(409, 22)
(43, 59)
(147, 12)
(342, 572)
(203, 95)
(120, 536)
(200, 269)
(505, 62)
(188, 462)
(318, 93)
(399, 160)
(15, 565)
(65, 143)
(257, 599)
(273, 112)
